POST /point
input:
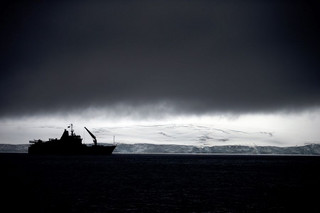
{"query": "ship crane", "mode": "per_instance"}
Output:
(93, 137)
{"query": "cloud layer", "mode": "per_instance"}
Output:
(250, 130)
(196, 56)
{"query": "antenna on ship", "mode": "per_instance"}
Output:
(71, 128)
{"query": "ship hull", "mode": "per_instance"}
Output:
(46, 149)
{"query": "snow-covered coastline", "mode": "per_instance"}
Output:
(310, 149)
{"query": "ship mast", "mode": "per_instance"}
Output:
(71, 129)
(71, 125)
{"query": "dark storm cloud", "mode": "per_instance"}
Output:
(199, 56)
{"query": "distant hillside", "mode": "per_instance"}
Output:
(14, 148)
(311, 149)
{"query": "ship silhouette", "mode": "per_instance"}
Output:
(69, 144)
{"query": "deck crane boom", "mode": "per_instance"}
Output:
(93, 137)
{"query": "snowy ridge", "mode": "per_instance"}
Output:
(311, 149)
(186, 134)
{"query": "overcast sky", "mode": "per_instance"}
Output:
(146, 58)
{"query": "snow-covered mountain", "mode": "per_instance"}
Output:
(187, 134)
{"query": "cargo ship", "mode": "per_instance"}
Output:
(69, 144)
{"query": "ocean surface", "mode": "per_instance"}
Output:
(160, 183)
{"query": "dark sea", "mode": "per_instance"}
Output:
(160, 183)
